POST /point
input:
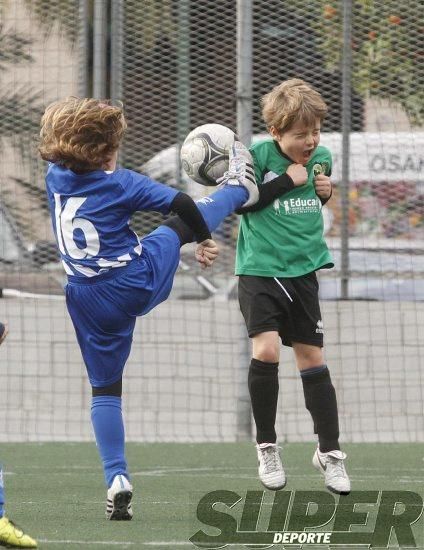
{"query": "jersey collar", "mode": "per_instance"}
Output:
(281, 152)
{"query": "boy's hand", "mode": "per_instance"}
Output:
(298, 174)
(206, 252)
(323, 186)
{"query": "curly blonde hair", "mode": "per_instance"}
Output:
(291, 101)
(81, 133)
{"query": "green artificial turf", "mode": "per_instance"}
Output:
(56, 492)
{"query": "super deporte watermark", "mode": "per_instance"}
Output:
(370, 519)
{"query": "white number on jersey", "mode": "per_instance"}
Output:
(67, 223)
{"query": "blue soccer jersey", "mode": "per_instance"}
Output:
(91, 213)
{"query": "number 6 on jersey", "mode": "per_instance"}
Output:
(67, 224)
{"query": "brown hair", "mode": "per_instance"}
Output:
(291, 101)
(81, 134)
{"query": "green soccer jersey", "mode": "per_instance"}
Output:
(286, 238)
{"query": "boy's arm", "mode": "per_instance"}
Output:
(145, 194)
(326, 199)
(295, 176)
(185, 207)
(322, 182)
(270, 191)
(323, 188)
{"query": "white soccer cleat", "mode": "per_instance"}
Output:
(331, 465)
(241, 172)
(271, 471)
(118, 505)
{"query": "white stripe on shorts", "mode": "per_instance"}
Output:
(282, 286)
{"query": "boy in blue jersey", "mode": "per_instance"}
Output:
(11, 536)
(113, 276)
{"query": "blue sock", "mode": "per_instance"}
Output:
(1, 493)
(108, 424)
(216, 207)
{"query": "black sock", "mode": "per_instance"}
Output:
(263, 388)
(321, 402)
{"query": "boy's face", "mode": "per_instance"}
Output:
(299, 142)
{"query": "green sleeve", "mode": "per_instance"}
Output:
(330, 164)
(258, 169)
(328, 170)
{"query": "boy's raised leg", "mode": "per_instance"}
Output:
(237, 188)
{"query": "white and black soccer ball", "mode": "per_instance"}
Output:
(204, 153)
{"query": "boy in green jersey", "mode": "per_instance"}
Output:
(279, 249)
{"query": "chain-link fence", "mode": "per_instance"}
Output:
(177, 64)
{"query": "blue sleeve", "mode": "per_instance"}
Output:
(143, 193)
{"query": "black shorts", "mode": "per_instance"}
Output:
(289, 306)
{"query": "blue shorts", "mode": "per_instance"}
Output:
(103, 309)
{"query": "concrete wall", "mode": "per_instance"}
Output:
(189, 363)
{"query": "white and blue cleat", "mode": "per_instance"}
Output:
(241, 172)
(119, 496)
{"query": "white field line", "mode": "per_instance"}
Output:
(178, 469)
(229, 473)
(101, 502)
(188, 544)
(87, 542)
(357, 474)
(170, 543)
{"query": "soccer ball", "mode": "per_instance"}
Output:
(204, 153)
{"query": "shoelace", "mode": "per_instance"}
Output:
(235, 174)
(270, 455)
(228, 176)
(236, 165)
